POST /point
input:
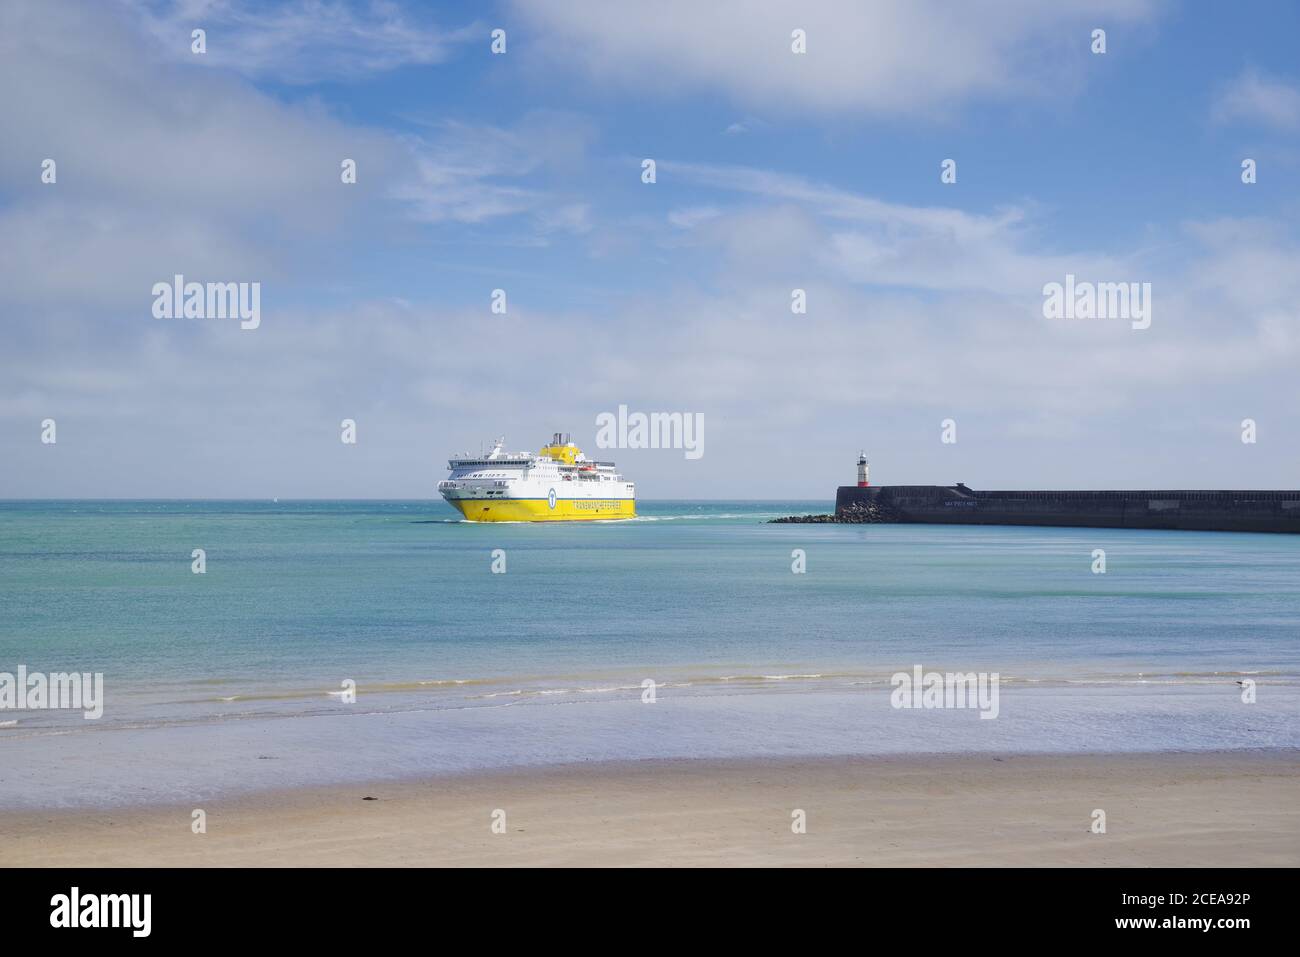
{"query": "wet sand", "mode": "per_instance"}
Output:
(1180, 810)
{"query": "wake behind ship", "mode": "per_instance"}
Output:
(558, 484)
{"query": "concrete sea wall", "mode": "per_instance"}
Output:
(1191, 510)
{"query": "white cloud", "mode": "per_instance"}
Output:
(1255, 98)
(882, 57)
(804, 225)
(569, 218)
(168, 168)
(299, 41)
(470, 174)
(874, 362)
(688, 217)
(875, 366)
(913, 310)
(148, 133)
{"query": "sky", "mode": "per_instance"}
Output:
(522, 171)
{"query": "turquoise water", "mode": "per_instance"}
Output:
(457, 667)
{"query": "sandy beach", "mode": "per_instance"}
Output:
(1226, 809)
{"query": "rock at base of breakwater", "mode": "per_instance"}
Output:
(867, 514)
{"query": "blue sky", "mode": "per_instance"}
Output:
(522, 171)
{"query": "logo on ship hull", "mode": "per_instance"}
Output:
(550, 499)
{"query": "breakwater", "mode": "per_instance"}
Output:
(1191, 510)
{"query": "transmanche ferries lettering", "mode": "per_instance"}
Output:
(558, 484)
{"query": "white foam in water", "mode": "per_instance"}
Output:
(191, 762)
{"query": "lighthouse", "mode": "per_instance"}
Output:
(863, 470)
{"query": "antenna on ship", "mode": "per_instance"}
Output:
(864, 470)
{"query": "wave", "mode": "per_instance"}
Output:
(509, 694)
(423, 694)
(559, 684)
(698, 515)
(768, 677)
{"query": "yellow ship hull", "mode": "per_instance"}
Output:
(541, 510)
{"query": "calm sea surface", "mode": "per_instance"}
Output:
(233, 679)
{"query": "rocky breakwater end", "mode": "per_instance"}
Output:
(869, 514)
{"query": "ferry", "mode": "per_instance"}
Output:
(558, 484)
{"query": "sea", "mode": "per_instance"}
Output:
(330, 642)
